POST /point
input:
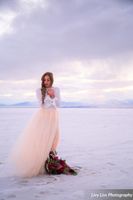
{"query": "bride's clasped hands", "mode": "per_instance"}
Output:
(50, 92)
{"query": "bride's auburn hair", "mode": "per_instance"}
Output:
(43, 87)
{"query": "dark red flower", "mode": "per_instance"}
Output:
(55, 165)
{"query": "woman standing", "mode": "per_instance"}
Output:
(41, 134)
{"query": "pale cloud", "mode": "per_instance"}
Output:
(27, 6)
(121, 89)
(6, 20)
(86, 44)
(6, 95)
(18, 90)
(8, 12)
(76, 84)
(29, 94)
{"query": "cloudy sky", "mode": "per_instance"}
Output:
(87, 44)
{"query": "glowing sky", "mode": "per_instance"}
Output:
(87, 44)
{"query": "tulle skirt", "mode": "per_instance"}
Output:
(33, 146)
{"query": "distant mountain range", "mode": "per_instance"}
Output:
(108, 104)
(35, 104)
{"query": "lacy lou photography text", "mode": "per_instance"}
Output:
(113, 194)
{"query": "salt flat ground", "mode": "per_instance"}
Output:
(99, 142)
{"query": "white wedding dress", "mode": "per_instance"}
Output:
(40, 136)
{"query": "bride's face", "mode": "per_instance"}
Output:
(47, 81)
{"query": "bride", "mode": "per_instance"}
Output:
(41, 134)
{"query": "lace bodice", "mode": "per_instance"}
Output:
(48, 101)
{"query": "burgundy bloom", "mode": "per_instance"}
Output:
(55, 165)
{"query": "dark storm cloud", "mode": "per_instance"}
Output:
(125, 1)
(66, 31)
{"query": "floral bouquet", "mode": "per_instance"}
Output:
(55, 165)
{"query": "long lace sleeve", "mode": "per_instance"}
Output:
(57, 96)
(39, 96)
